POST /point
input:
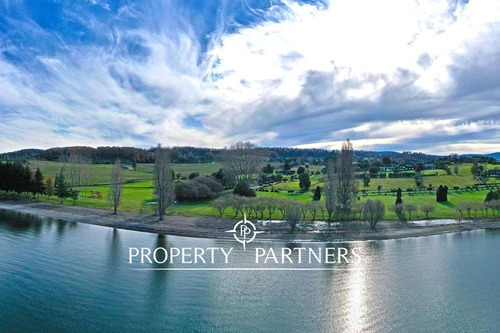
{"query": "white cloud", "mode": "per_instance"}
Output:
(381, 72)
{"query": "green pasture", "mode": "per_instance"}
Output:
(205, 169)
(138, 191)
(101, 173)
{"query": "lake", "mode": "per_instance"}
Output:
(57, 276)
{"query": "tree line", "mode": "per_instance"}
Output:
(292, 211)
(19, 179)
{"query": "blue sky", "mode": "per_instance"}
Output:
(388, 74)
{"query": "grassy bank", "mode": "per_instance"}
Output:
(138, 191)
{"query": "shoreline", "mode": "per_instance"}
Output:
(210, 227)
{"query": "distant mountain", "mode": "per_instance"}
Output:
(24, 153)
(204, 155)
(493, 155)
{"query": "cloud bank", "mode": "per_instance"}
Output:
(389, 74)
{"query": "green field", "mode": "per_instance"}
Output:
(205, 169)
(101, 173)
(138, 191)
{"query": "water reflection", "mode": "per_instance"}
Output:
(158, 279)
(83, 281)
(356, 287)
(20, 222)
(114, 251)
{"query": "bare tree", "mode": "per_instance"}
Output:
(466, 206)
(409, 208)
(249, 206)
(260, 205)
(115, 192)
(163, 180)
(313, 208)
(242, 160)
(236, 202)
(271, 205)
(321, 209)
(426, 209)
(79, 168)
(303, 209)
(282, 205)
(373, 212)
(220, 204)
(292, 214)
(347, 187)
(329, 188)
(357, 208)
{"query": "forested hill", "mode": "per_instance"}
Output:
(198, 154)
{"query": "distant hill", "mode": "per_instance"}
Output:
(492, 155)
(24, 153)
(206, 155)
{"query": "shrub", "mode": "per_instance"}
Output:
(317, 194)
(304, 181)
(193, 175)
(244, 190)
(200, 188)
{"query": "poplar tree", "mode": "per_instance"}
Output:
(115, 192)
(163, 181)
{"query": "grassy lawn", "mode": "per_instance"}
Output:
(138, 195)
(205, 169)
(442, 209)
(101, 173)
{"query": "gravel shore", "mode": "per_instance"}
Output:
(210, 227)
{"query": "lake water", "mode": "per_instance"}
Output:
(57, 277)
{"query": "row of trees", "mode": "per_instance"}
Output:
(14, 177)
(473, 209)
(243, 160)
(19, 179)
(292, 211)
(401, 209)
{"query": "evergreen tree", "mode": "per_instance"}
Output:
(26, 181)
(61, 187)
(304, 181)
(38, 186)
(244, 190)
(268, 169)
(492, 195)
(317, 194)
(399, 201)
(442, 194)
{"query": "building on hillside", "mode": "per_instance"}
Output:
(406, 167)
(430, 166)
(386, 169)
(492, 173)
